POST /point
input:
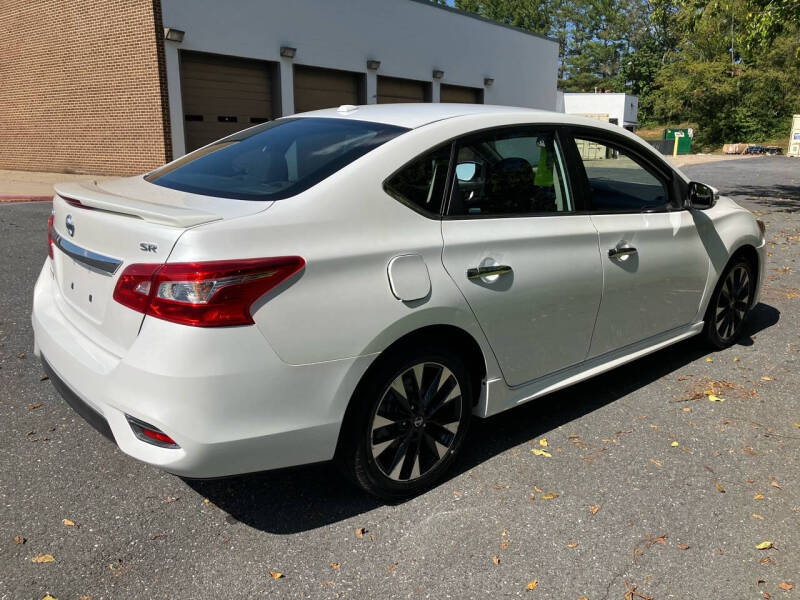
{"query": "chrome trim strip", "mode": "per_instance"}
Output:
(97, 262)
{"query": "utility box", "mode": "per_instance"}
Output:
(794, 137)
(684, 139)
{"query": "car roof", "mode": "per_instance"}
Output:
(413, 115)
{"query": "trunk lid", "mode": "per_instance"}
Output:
(99, 228)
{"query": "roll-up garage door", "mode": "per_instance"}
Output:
(394, 89)
(316, 88)
(458, 93)
(222, 95)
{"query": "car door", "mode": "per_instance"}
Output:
(528, 266)
(654, 263)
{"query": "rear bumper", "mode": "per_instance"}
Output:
(221, 393)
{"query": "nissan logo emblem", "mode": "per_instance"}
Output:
(70, 226)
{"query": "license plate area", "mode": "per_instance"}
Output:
(85, 290)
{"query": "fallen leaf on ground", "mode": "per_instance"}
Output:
(593, 509)
(170, 499)
(709, 359)
(496, 559)
(786, 585)
(773, 482)
(34, 406)
(49, 597)
(683, 546)
(572, 544)
(43, 378)
(276, 574)
(43, 558)
(68, 523)
(540, 452)
(766, 378)
(719, 487)
(796, 424)
(360, 532)
(757, 516)
(631, 589)
(392, 568)
(335, 565)
(674, 444)
(714, 398)
(758, 496)
(583, 598)
(543, 442)
(537, 489)
(18, 539)
(158, 534)
(550, 496)
(532, 584)
(765, 595)
(657, 463)
(687, 409)
(765, 546)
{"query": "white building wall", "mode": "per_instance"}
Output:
(411, 38)
(623, 107)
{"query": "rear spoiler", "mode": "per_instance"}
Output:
(89, 195)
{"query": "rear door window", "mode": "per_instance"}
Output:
(509, 172)
(274, 161)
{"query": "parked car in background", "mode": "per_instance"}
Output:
(754, 149)
(357, 284)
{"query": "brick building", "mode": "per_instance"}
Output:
(122, 86)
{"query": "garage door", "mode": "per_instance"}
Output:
(316, 88)
(394, 89)
(222, 95)
(458, 93)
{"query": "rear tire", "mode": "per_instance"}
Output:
(730, 304)
(407, 421)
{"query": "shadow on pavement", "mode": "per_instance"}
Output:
(304, 498)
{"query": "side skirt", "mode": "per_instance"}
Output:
(497, 396)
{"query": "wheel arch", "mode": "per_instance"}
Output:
(443, 334)
(750, 254)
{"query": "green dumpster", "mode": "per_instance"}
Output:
(684, 141)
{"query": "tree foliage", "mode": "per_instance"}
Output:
(731, 66)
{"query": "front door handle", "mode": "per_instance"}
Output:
(488, 271)
(622, 251)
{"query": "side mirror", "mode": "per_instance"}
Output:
(702, 196)
(466, 171)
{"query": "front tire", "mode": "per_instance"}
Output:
(730, 304)
(408, 421)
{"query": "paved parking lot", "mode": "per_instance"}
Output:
(650, 485)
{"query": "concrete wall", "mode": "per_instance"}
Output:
(411, 38)
(623, 107)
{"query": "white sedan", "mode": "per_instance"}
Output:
(357, 283)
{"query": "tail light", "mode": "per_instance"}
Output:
(203, 294)
(50, 235)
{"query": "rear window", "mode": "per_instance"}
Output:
(274, 161)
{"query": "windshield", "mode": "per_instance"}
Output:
(275, 160)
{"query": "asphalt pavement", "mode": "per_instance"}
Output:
(650, 489)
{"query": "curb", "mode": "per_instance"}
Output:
(22, 198)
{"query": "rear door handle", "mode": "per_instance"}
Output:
(488, 271)
(622, 251)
